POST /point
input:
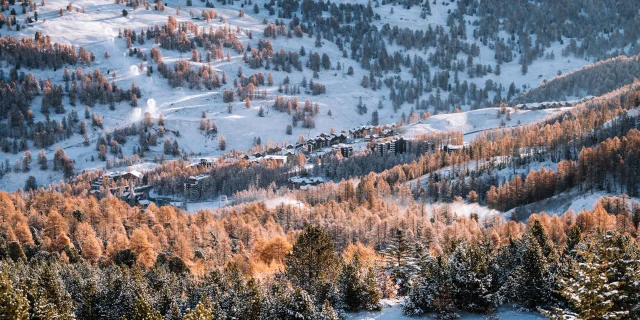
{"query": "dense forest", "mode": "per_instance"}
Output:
(348, 244)
(595, 79)
(449, 226)
(73, 257)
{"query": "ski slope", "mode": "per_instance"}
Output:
(470, 123)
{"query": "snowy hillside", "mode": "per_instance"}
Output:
(470, 123)
(319, 160)
(96, 26)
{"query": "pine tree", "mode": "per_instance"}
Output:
(385, 284)
(120, 294)
(349, 285)
(301, 305)
(222, 144)
(471, 281)
(47, 296)
(244, 300)
(13, 302)
(174, 312)
(399, 261)
(574, 236)
(143, 311)
(432, 291)
(203, 311)
(327, 312)
(87, 302)
(537, 231)
(370, 292)
(312, 263)
(374, 118)
(531, 282)
(603, 280)
(286, 303)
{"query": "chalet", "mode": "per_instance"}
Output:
(96, 185)
(204, 163)
(321, 142)
(274, 150)
(398, 146)
(308, 146)
(358, 133)
(253, 159)
(125, 192)
(344, 149)
(134, 175)
(395, 146)
(449, 148)
(193, 188)
(281, 160)
(298, 182)
(388, 133)
(338, 139)
(381, 148)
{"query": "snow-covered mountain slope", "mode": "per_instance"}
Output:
(573, 200)
(470, 123)
(95, 25)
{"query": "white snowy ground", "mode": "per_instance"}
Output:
(574, 200)
(470, 123)
(393, 311)
(192, 207)
(540, 70)
(97, 28)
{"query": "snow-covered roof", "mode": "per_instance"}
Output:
(306, 180)
(275, 157)
(137, 174)
(456, 146)
(115, 174)
(199, 177)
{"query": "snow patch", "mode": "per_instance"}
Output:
(136, 114)
(151, 107)
(134, 70)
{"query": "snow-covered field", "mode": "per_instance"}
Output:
(574, 200)
(470, 123)
(393, 311)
